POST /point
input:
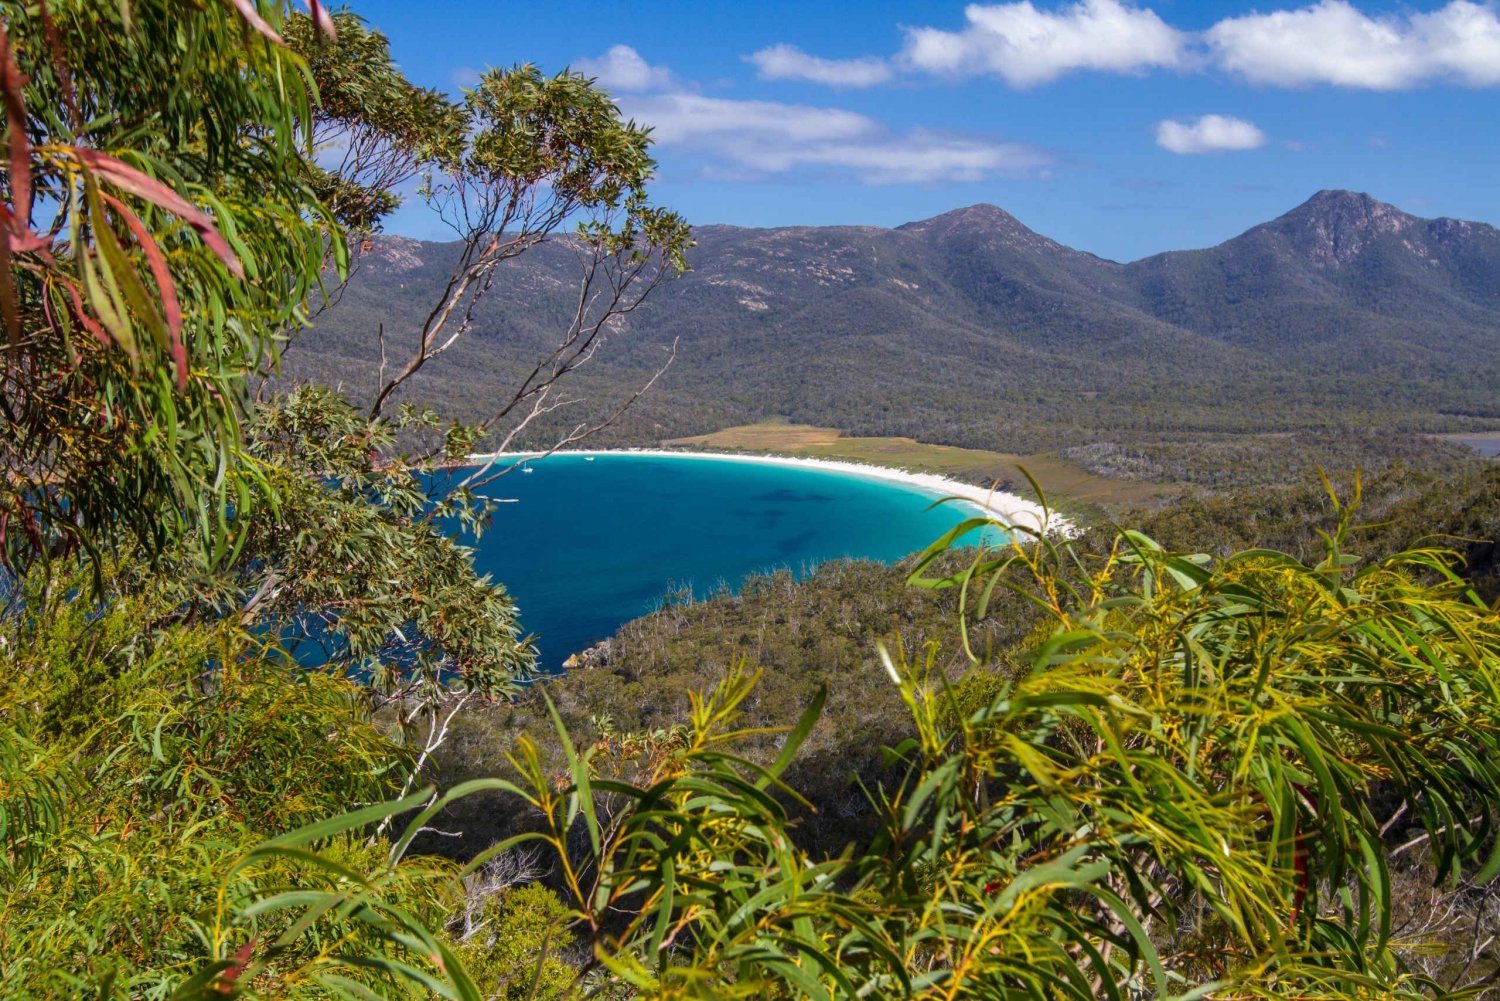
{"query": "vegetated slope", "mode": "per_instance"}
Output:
(826, 628)
(971, 329)
(1344, 280)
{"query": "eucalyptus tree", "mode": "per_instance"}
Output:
(159, 228)
(359, 557)
(173, 226)
(167, 221)
(372, 129)
(163, 223)
(541, 154)
(521, 159)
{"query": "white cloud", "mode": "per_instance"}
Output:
(1026, 46)
(678, 118)
(787, 62)
(1332, 42)
(742, 139)
(919, 156)
(622, 69)
(1328, 42)
(755, 138)
(1208, 134)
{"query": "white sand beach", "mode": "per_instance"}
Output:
(1005, 508)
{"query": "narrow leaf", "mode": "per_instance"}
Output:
(252, 17)
(164, 284)
(322, 18)
(127, 178)
(15, 122)
(797, 735)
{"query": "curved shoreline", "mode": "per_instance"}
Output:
(1006, 508)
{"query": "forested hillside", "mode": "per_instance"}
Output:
(970, 329)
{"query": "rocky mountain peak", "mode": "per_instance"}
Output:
(1333, 227)
(392, 253)
(974, 220)
(982, 223)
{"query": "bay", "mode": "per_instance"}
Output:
(586, 543)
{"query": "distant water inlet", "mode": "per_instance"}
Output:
(590, 543)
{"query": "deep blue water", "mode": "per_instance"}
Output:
(1484, 444)
(589, 545)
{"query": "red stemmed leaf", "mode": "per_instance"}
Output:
(252, 17)
(9, 310)
(170, 307)
(14, 239)
(127, 178)
(22, 242)
(322, 19)
(15, 131)
(17, 239)
(241, 960)
(79, 310)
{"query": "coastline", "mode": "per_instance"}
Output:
(1006, 508)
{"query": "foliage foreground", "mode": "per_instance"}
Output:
(1188, 783)
(1185, 793)
(1187, 788)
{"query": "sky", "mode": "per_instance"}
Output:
(1119, 128)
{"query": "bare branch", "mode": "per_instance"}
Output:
(478, 479)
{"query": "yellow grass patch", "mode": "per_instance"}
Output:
(1062, 480)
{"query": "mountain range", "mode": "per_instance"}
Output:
(971, 329)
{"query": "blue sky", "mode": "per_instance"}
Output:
(1119, 128)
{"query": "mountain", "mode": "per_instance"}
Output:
(969, 328)
(1340, 274)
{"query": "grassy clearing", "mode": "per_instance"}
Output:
(1066, 483)
(764, 437)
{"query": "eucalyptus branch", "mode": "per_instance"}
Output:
(437, 733)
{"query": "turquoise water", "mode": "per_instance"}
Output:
(589, 545)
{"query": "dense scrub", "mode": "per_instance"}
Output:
(825, 630)
(1192, 775)
(140, 768)
(1398, 508)
(1216, 462)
